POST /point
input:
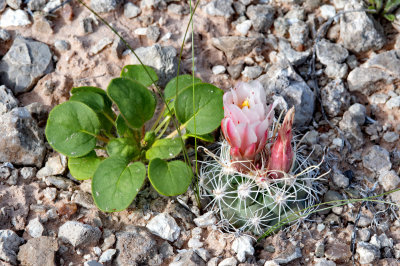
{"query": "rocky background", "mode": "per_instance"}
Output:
(344, 82)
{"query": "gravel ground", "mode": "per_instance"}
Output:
(348, 104)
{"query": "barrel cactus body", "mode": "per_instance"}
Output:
(257, 178)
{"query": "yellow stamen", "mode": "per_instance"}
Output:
(245, 103)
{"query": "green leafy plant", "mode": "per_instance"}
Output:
(108, 137)
(384, 7)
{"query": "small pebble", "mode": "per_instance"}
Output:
(220, 69)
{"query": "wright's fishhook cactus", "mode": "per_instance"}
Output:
(257, 178)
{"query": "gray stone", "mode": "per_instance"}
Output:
(35, 228)
(135, 247)
(368, 253)
(7, 100)
(188, 258)
(298, 34)
(336, 71)
(14, 4)
(261, 16)
(338, 251)
(24, 64)
(289, 255)
(87, 25)
(62, 45)
(56, 165)
(378, 98)
(394, 102)
(178, 9)
(118, 47)
(102, 6)
(3, 5)
(9, 244)
(243, 246)
(328, 53)
(327, 11)
(100, 45)
(324, 262)
(92, 263)
(388, 61)
(14, 18)
(377, 159)
(203, 253)
(153, 33)
(252, 72)
(235, 46)
(335, 97)
(164, 226)
(358, 113)
(332, 195)
(166, 250)
(340, 180)
(50, 193)
(294, 57)
(162, 59)
(222, 8)
(131, 10)
(4, 35)
(27, 173)
(36, 5)
(228, 262)
(59, 182)
(320, 249)
(391, 136)
(39, 251)
(359, 31)
(385, 241)
(21, 140)
(389, 180)
(107, 255)
(235, 70)
(295, 14)
(195, 243)
(83, 199)
(368, 80)
(364, 234)
(79, 234)
(282, 80)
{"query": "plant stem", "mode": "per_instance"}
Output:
(166, 120)
(175, 132)
(158, 118)
(101, 138)
(109, 118)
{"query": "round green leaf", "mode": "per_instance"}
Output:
(183, 82)
(208, 108)
(94, 90)
(91, 99)
(124, 147)
(71, 129)
(135, 102)
(164, 149)
(115, 184)
(169, 178)
(139, 74)
(84, 167)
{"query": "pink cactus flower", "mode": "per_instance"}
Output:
(281, 157)
(247, 120)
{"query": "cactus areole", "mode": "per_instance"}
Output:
(257, 178)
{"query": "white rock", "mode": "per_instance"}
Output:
(320, 227)
(375, 241)
(131, 10)
(195, 243)
(166, 37)
(244, 27)
(55, 165)
(77, 233)
(243, 246)
(141, 31)
(390, 136)
(327, 11)
(228, 262)
(324, 262)
(101, 45)
(220, 69)
(164, 226)
(368, 253)
(14, 18)
(385, 241)
(203, 253)
(394, 102)
(35, 228)
(389, 180)
(337, 142)
(97, 251)
(205, 220)
(107, 255)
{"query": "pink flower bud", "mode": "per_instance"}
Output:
(281, 157)
(247, 120)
